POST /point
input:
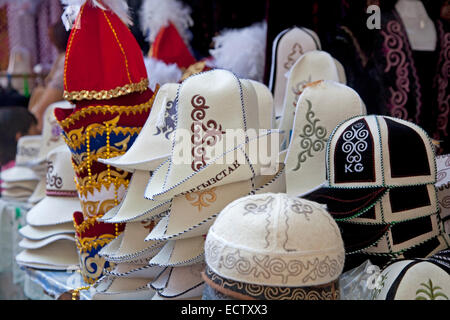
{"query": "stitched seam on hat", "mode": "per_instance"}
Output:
(184, 292)
(150, 249)
(120, 45)
(119, 274)
(194, 260)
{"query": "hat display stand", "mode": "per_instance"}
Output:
(386, 210)
(111, 106)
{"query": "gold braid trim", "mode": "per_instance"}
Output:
(83, 113)
(89, 186)
(140, 86)
(87, 244)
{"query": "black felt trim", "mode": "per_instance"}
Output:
(346, 203)
(407, 152)
(360, 236)
(407, 198)
(423, 250)
(411, 229)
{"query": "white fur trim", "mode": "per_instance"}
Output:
(156, 14)
(161, 73)
(241, 51)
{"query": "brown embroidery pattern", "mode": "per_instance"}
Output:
(296, 52)
(53, 180)
(264, 267)
(328, 291)
(201, 199)
(149, 225)
(202, 133)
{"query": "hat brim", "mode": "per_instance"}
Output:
(180, 252)
(38, 193)
(40, 233)
(193, 214)
(53, 210)
(58, 255)
(131, 270)
(149, 164)
(124, 289)
(344, 204)
(159, 189)
(134, 207)
(36, 244)
(19, 174)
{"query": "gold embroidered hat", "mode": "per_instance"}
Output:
(61, 193)
(212, 140)
(254, 234)
(321, 107)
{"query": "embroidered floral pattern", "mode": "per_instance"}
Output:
(201, 199)
(313, 137)
(298, 89)
(430, 292)
(202, 133)
(355, 144)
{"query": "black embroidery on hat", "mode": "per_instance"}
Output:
(354, 155)
(411, 229)
(407, 198)
(407, 151)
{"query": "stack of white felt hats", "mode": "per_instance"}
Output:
(20, 181)
(48, 237)
(51, 138)
(167, 224)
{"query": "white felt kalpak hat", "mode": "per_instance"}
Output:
(152, 146)
(265, 104)
(58, 255)
(413, 280)
(61, 199)
(38, 193)
(51, 131)
(118, 288)
(43, 232)
(276, 229)
(27, 150)
(135, 270)
(210, 107)
(321, 107)
(289, 45)
(131, 245)
(36, 244)
(182, 252)
(192, 214)
(28, 185)
(177, 283)
(312, 66)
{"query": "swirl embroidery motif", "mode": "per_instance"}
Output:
(265, 208)
(209, 133)
(53, 180)
(354, 145)
(313, 137)
(55, 132)
(395, 58)
(442, 82)
(442, 170)
(296, 52)
(201, 199)
(263, 266)
(298, 89)
(169, 120)
(149, 225)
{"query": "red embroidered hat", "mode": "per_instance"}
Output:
(100, 39)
